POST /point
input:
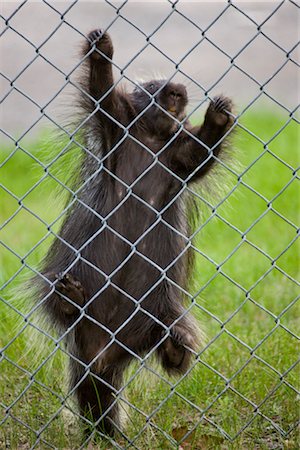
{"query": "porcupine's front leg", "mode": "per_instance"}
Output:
(195, 158)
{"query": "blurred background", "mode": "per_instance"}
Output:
(243, 392)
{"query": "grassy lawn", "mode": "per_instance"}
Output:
(244, 383)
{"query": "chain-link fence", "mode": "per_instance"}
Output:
(240, 389)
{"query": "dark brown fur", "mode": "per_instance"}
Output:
(120, 263)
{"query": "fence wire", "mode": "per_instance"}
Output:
(13, 415)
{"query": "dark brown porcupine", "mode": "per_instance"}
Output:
(120, 261)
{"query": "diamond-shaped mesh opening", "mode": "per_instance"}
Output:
(227, 42)
(276, 357)
(222, 291)
(230, 411)
(281, 413)
(275, 292)
(232, 245)
(263, 226)
(264, 323)
(282, 37)
(243, 59)
(263, 380)
(234, 359)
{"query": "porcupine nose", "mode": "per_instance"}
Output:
(173, 104)
(175, 94)
(172, 108)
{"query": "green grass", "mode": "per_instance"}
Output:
(244, 299)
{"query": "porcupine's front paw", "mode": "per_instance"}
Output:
(70, 288)
(99, 41)
(217, 112)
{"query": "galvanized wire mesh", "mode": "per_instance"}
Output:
(201, 415)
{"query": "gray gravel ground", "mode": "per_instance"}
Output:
(40, 42)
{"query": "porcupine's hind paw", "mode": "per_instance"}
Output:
(175, 351)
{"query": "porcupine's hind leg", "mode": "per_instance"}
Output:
(97, 398)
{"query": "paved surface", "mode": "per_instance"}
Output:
(59, 42)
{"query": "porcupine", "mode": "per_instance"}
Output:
(130, 229)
